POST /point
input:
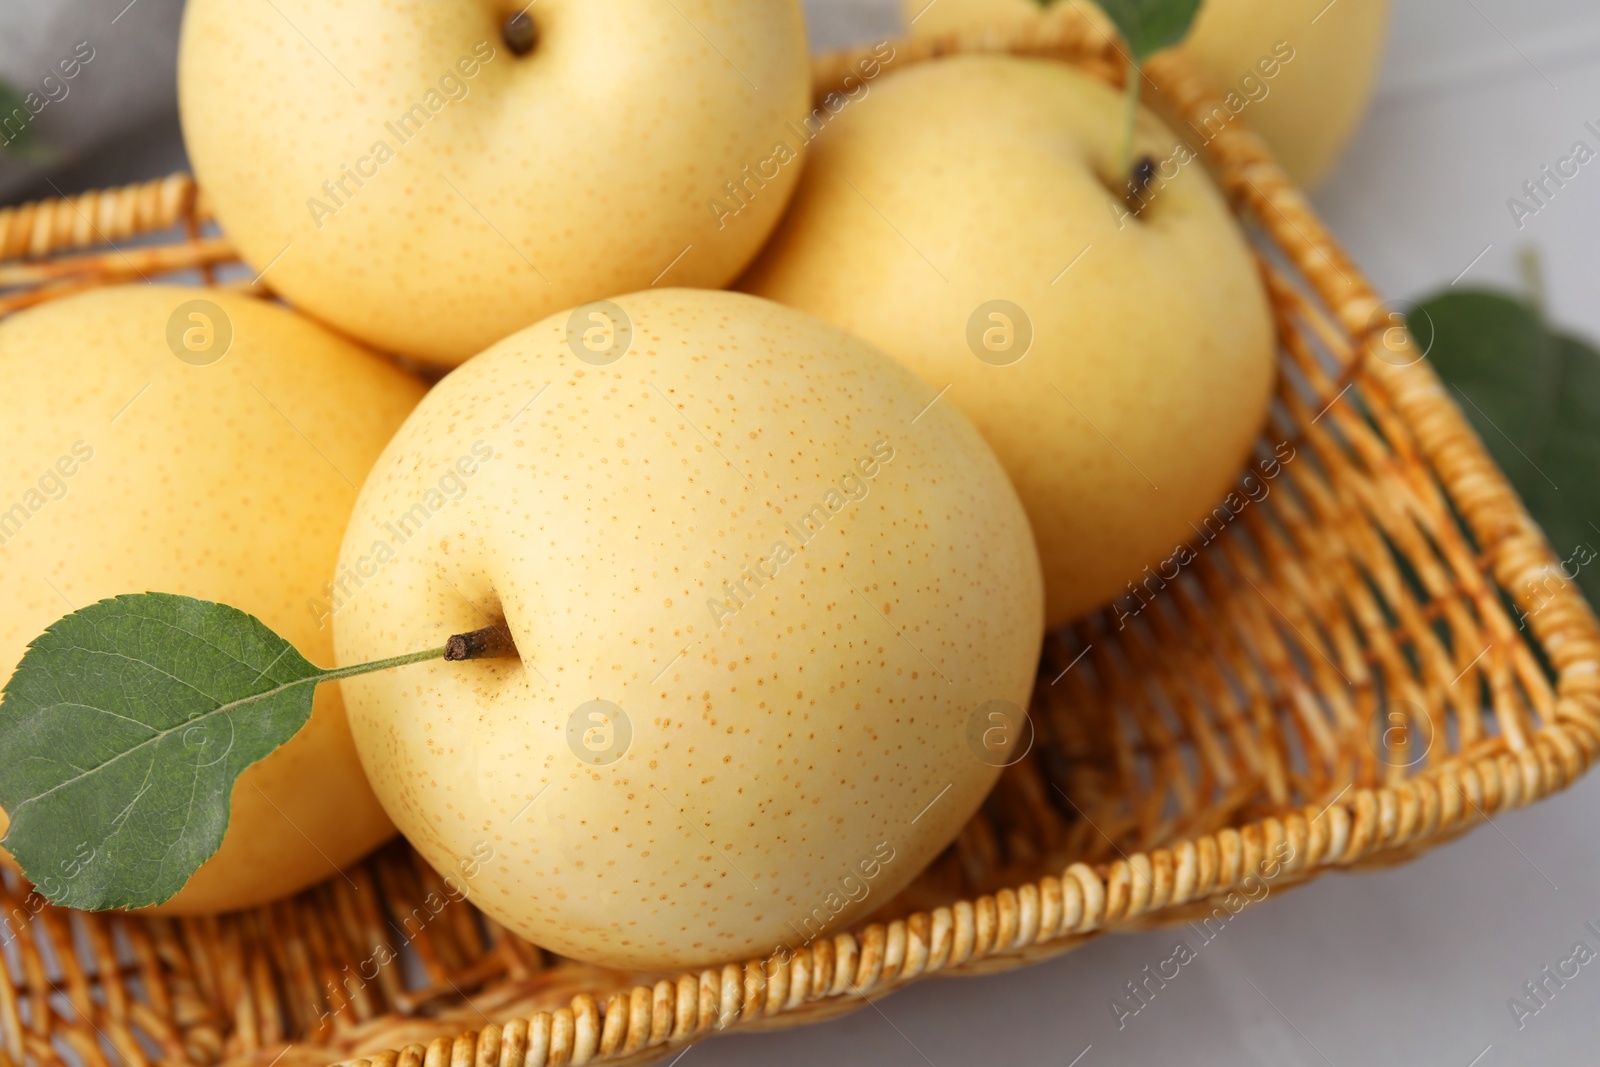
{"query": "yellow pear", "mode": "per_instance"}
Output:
(966, 218)
(431, 175)
(209, 444)
(1299, 72)
(775, 616)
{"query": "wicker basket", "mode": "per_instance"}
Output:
(1339, 681)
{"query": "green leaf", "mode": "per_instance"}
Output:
(1533, 395)
(121, 735)
(1148, 25)
(20, 140)
(127, 724)
(123, 731)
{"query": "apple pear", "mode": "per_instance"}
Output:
(432, 175)
(1116, 350)
(1299, 72)
(208, 444)
(775, 610)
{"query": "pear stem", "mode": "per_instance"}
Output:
(1130, 113)
(383, 664)
(491, 642)
(519, 33)
(1532, 271)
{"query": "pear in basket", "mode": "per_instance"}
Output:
(1106, 331)
(1298, 72)
(773, 617)
(208, 444)
(430, 177)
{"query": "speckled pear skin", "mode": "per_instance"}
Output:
(231, 482)
(591, 166)
(798, 754)
(1148, 367)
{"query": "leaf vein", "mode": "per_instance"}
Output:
(158, 736)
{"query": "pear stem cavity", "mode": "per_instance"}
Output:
(491, 642)
(520, 33)
(1140, 177)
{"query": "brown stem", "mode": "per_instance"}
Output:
(1140, 179)
(520, 33)
(491, 642)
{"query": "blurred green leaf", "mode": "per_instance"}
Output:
(1533, 395)
(19, 139)
(1148, 25)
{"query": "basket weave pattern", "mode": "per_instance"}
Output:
(1338, 679)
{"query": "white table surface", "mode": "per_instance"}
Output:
(1412, 966)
